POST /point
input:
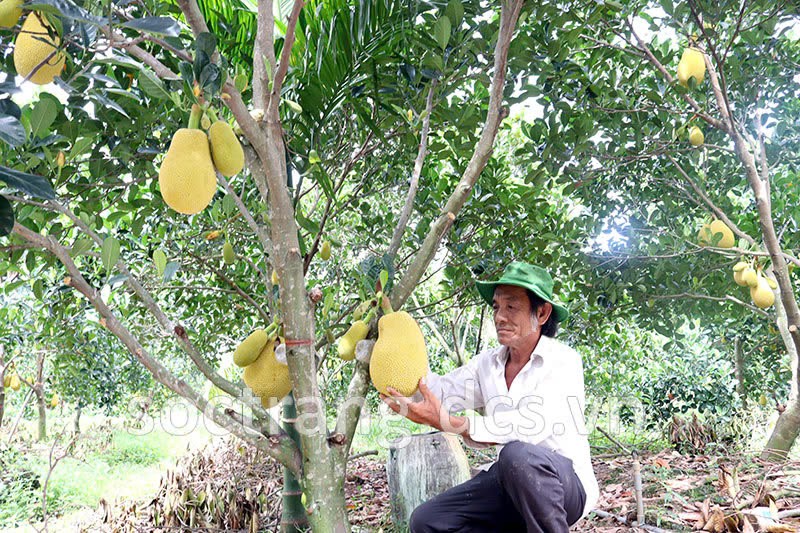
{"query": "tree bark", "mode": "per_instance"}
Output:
(2, 378)
(38, 389)
(77, 421)
(738, 354)
(293, 514)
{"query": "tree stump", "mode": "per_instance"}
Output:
(420, 467)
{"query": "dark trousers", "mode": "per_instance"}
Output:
(530, 488)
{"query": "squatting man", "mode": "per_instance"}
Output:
(530, 395)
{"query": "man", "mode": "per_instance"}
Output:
(531, 393)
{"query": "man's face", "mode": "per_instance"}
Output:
(512, 316)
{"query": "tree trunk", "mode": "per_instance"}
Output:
(77, 422)
(785, 433)
(293, 514)
(2, 379)
(38, 389)
(739, 361)
(420, 467)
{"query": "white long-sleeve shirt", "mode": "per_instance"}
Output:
(543, 406)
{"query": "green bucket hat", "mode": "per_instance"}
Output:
(529, 276)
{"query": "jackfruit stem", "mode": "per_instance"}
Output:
(212, 114)
(271, 329)
(368, 317)
(194, 117)
(386, 305)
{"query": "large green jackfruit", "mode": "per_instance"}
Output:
(250, 348)
(399, 358)
(267, 377)
(187, 178)
(36, 46)
(226, 149)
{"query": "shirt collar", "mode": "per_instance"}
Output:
(542, 350)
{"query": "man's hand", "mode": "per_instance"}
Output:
(429, 411)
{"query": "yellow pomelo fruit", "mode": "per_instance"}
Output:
(750, 277)
(325, 250)
(250, 348)
(692, 64)
(10, 12)
(399, 358)
(696, 137)
(761, 294)
(347, 344)
(225, 149)
(228, 255)
(267, 377)
(706, 235)
(35, 47)
(187, 178)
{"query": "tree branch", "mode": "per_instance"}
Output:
(726, 298)
(283, 66)
(279, 446)
(263, 54)
(397, 238)
(508, 18)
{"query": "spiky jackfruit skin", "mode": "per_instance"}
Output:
(761, 294)
(268, 378)
(186, 177)
(228, 255)
(226, 149)
(250, 348)
(10, 12)
(399, 358)
(347, 344)
(34, 47)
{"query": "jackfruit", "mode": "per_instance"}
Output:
(399, 358)
(691, 65)
(228, 255)
(54, 401)
(696, 137)
(750, 277)
(347, 344)
(275, 278)
(225, 149)
(761, 294)
(250, 348)
(10, 12)
(268, 378)
(6, 380)
(325, 250)
(706, 235)
(36, 47)
(738, 273)
(187, 178)
(14, 382)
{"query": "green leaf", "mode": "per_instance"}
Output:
(160, 260)
(81, 246)
(171, 270)
(206, 42)
(29, 183)
(228, 204)
(12, 132)
(152, 86)
(455, 12)
(6, 216)
(110, 253)
(155, 25)
(441, 31)
(42, 116)
(38, 289)
(384, 277)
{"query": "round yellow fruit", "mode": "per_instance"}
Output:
(36, 49)
(761, 294)
(347, 344)
(706, 235)
(325, 250)
(187, 178)
(750, 277)
(10, 12)
(762, 400)
(225, 149)
(691, 65)
(696, 137)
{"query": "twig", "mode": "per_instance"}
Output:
(362, 454)
(623, 520)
